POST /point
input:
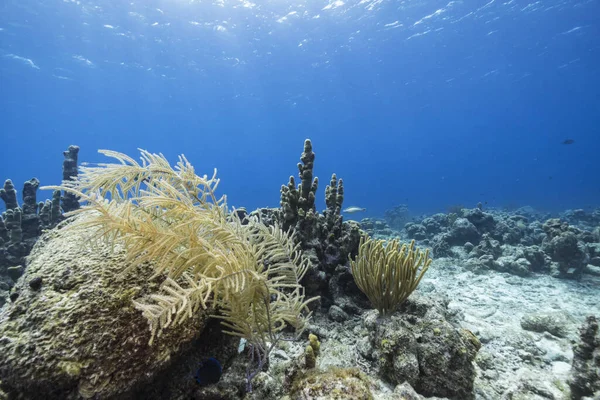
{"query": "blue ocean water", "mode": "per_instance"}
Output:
(428, 103)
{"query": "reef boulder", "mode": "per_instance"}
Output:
(420, 346)
(71, 330)
(569, 255)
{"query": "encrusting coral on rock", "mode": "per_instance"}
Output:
(332, 384)
(420, 346)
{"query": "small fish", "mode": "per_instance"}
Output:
(209, 372)
(352, 210)
(568, 141)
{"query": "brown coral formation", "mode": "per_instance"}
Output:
(72, 331)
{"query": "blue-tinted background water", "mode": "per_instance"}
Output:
(429, 103)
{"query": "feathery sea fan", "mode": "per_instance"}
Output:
(173, 219)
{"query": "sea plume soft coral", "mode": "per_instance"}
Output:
(172, 218)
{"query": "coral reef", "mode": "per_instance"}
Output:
(568, 254)
(488, 321)
(519, 242)
(581, 218)
(21, 226)
(376, 228)
(397, 216)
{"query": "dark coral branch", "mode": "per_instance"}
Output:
(9, 195)
(70, 201)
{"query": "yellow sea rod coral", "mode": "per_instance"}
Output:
(388, 273)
